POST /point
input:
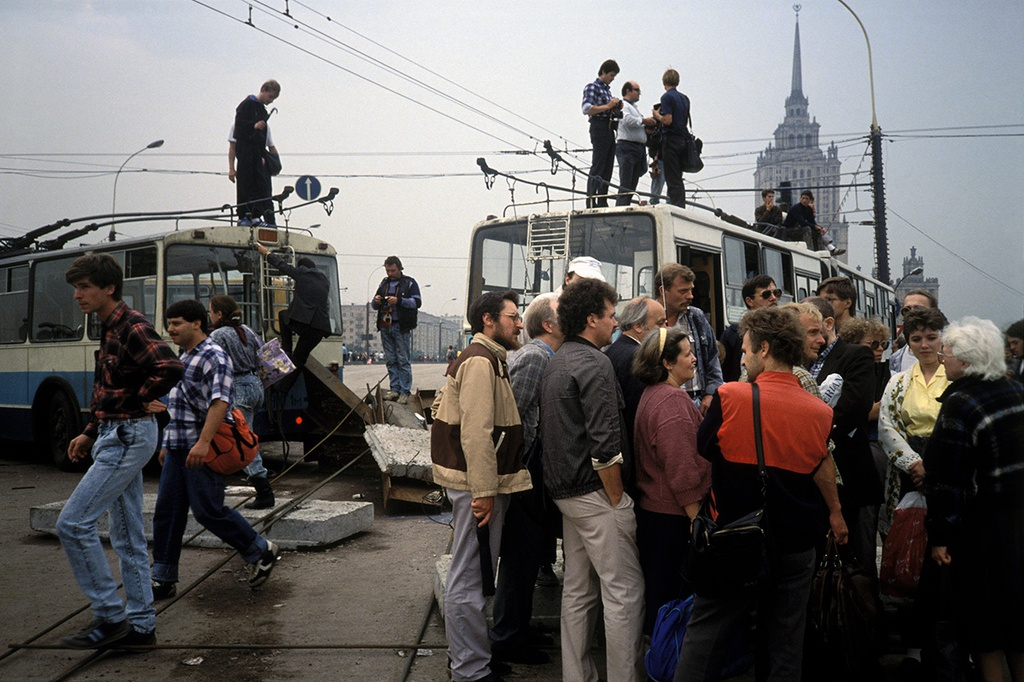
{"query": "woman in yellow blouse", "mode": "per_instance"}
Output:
(910, 405)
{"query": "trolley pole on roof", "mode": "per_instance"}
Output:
(877, 179)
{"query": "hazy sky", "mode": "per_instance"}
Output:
(88, 83)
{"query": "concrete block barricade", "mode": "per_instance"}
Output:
(314, 524)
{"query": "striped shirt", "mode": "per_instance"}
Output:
(596, 94)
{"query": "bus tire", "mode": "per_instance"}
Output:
(61, 426)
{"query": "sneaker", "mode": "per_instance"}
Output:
(99, 634)
(403, 399)
(141, 640)
(546, 576)
(260, 571)
(839, 252)
(163, 591)
(391, 395)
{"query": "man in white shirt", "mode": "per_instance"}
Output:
(631, 147)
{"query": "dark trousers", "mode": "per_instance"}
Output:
(662, 540)
(202, 490)
(781, 618)
(602, 137)
(525, 544)
(632, 158)
(673, 147)
(309, 338)
(252, 184)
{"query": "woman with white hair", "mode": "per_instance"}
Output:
(975, 490)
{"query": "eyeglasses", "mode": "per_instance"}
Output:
(768, 293)
(516, 317)
(876, 344)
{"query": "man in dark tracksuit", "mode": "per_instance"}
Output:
(253, 177)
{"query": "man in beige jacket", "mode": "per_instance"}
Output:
(476, 444)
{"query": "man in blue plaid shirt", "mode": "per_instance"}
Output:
(197, 406)
(603, 111)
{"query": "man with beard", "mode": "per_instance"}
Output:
(476, 445)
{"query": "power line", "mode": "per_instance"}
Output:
(951, 252)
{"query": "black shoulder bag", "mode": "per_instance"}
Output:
(728, 558)
(691, 161)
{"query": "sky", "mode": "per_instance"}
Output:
(89, 83)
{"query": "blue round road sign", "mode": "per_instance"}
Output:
(307, 187)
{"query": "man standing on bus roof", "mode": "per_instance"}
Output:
(673, 115)
(197, 406)
(602, 110)
(134, 367)
(250, 132)
(631, 147)
(397, 302)
(673, 287)
(308, 314)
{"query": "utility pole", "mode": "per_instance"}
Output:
(877, 179)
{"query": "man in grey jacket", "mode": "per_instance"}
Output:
(585, 455)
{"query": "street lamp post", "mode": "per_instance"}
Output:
(113, 206)
(877, 179)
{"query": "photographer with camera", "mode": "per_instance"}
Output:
(603, 111)
(396, 302)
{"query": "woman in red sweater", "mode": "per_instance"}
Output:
(670, 476)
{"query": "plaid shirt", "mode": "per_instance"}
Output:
(596, 94)
(133, 366)
(974, 458)
(525, 370)
(208, 377)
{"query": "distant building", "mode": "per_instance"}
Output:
(430, 339)
(918, 281)
(795, 162)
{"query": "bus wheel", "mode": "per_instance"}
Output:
(62, 425)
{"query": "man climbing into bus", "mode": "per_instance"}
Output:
(134, 367)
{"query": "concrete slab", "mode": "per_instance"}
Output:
(401, 452)
(313, 524)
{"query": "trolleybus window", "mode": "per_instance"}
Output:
(14, 304)
(623, 243)
(779, 266)
(55, 314)
(199, 272)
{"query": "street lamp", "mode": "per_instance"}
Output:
(113, 206)
(881, 235)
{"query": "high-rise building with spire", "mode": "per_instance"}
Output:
(795, 161)
(909, 281)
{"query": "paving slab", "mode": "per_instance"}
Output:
(401, 452)
(314, 524)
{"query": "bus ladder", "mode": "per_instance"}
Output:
(276, 291)
(547, 238)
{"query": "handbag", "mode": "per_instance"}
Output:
(662, 658)
(693, 146)
(273, 163)
(903, 551)
(730, 557)
(845, 611)
(233, 447)
(274, 363)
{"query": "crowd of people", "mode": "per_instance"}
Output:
(619, 439)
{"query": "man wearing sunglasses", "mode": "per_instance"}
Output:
(901, 360)
(758, 292)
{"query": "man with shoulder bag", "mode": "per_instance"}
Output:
(796, 491)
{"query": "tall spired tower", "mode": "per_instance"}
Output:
(795, 161)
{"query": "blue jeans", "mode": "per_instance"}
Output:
(398, 353)
(202, 490)
(248, 399)
(114, 483)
